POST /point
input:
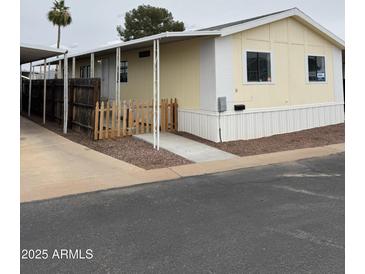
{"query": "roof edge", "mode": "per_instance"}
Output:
(42, 47)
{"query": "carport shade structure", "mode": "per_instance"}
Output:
(31, 53)
(154, 41)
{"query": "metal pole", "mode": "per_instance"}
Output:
(154, 93)
(44, 90)
(92, 61)
(119, 59)
(73, 68)
(30, 89)
(59, 72)
(158, 94)
(65, 94)
(21, 89)
(49, 70)
(116, 71)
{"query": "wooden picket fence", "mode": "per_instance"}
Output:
(132, 117)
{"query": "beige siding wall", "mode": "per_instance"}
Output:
(179, 76)
(289, 42)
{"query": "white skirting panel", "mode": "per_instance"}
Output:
(252, 124)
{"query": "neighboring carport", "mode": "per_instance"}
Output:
(32, 53)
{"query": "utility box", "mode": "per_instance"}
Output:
(222, 104)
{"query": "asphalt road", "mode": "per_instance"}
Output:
(286, 218)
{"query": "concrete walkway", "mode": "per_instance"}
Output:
(52, 166)
(187, 148)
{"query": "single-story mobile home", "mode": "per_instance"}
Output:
(272, 74)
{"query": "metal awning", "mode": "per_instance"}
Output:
(30, 53)
(140, 43)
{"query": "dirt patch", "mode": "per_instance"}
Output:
(321, 136)
(128, 149)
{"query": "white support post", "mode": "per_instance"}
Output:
(119, 59)
(65, 95)
(44, 90)
(73, 74)
(116, 71)
(30, 89)
(59, 71)
(21, 89)
(158, 92)
(154, 93)
(92, 65)
(49, 70)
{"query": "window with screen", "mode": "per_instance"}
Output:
(258, 66)
(316, 69)
(124, 71)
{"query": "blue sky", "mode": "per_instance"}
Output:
(94, 21)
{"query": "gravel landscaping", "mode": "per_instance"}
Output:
(142, 154)
(321, 136)
(128, 149)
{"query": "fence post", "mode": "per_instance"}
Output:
(96, 120)
(124, 118)
(161, 116)
(130, 116)
(101, 125)
(166, 114)
(142, 117)
(175, 116)
(113, 119)
(137, 116)
(107, 120)
(171, 112)
(118, 119)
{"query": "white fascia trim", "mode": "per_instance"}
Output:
(41, 47)
(334, 38)
(270, 109)
(147, 39)
(257, 22)
(276, 17)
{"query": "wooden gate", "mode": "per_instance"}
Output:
(83, 95)
(132, 117)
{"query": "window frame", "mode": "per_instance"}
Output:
(307, 81)
(120, 69)
(244, 62)
(86, 70)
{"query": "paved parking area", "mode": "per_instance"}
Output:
(283, 218)
(189, 149)
(49, 161)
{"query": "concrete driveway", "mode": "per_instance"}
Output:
(51, 162)
(286, 218)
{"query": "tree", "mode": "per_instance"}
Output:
(59, 15)
(146, 20)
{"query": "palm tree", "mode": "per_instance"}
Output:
(59, 15)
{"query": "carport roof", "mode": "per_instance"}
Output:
(165, 37)
(30, 53)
